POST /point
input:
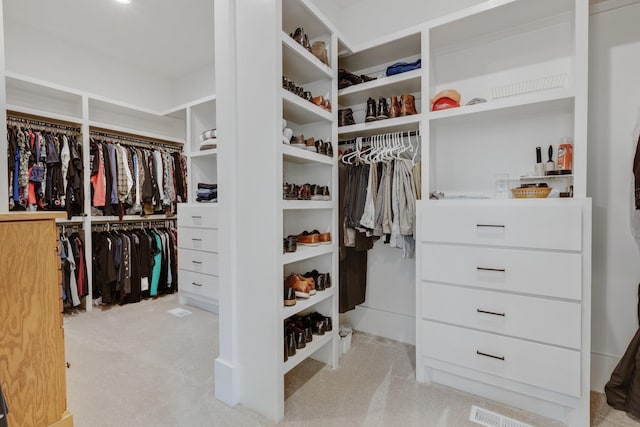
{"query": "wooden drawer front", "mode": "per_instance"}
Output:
(557, 274)
(544, 227)
(197, 216)
(198, 261)
(198, 239)
(540, 365)
(198, 284)
(539, 319)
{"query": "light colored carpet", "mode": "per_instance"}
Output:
(137, 365)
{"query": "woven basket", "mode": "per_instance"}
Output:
(531, 192)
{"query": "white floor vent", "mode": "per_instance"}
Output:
(491, 419)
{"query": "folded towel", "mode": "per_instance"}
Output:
(208, 134)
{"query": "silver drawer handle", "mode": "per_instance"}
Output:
(196, 216)
(493, 313)
(501, 270)
(196, 239)
(479, 353)
(197, 262)
(490, 225)
(196, 284)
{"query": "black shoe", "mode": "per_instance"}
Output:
(345, 117)
(383, 109)
(289, 297)
(291, 343)
(329, 148)
(348, 76)
(292, 244)
(372, 112)
(327, 280)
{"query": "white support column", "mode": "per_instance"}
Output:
(4, 179)
(249, 121)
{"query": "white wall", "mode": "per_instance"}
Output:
(31, 53)
(614, 114)
(195, 85)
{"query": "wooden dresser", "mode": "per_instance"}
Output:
(32, 360)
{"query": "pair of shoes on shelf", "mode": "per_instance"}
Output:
(305, 192)
(289, 244)
(322, 102)
(382, 111)
(347, 78)
(319, 50)
(321, 280)
(304, 287)
(314, 238)
(345, 117)
(301, 37)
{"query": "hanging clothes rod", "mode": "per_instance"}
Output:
(370, 138)
(131, 220)
(43, 123)
(134, 140)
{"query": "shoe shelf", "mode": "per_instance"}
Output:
(205, 153)
(408, 82)
(300, 155)
(318, 342)
(304, 304)
(307, 252)
(401, 47)
(399, 124)
(558, 99)
(300, 65)
(306, 204)
(301, 111)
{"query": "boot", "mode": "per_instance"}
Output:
(394, 111)
(408, 105)
(319, 51)
(345, 117)
(383, 109)
(372, 113)
(298, 35)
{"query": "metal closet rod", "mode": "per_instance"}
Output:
(44, 123)
(370, 138)
(134, 140)
(130, 220)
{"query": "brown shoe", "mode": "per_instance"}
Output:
(301, 287)
(408, 105)
(394, 110)
(309, 239)
(319, 101)
(325, 238)
(310, 144)
(311, 284)
(319, 51)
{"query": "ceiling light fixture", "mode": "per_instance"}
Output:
(124, 1)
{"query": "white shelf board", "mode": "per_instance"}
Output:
(384, 51)
(306, 204)
(136, 132)
(300, 65)
(212, 152)
(44, 114)
(398, 124)
(295, 14)
(408, 82)
(300, 155)
(301, 354)
(542, 178)
(498, 17)
(306, 303)
(306, 252)
(300, 111)
(563, 98)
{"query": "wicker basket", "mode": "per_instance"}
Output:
(531, 192)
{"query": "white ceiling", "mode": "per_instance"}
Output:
(169, 38)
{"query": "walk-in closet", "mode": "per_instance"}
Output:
(318, 212)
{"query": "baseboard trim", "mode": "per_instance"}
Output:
(386, 324)
(601, 367)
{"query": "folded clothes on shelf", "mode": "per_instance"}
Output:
(204, 185)
(208, 144)
(403, 67)
(208, 134)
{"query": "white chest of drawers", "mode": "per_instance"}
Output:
(503, 301)
(198, 256)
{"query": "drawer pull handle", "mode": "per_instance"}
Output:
(196, 262)
(196, 284)
(490, 225)
(196, 240)
(501, 270)
(493, 313)
(479, 353)
(196, 216)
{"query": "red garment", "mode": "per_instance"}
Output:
(98, 181)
